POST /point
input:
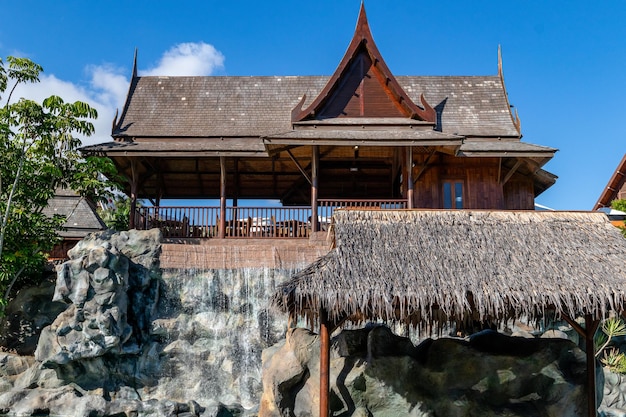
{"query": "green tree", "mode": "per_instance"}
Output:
(39, 153)
(621, 206)
(115, 215)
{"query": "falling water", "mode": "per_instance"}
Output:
(212, 326)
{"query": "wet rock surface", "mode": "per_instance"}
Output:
(126, 338)
(376, 373)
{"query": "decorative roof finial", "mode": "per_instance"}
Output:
(500, 60)
(114, 126)
(134, 75)
(362, 46)
(514, 115)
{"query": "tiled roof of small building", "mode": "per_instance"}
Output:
(259, 105)
(80, 214)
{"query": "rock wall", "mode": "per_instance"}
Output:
(376, 373)
(137, 339)
(125, 337)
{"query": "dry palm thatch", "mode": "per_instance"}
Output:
(434, 266)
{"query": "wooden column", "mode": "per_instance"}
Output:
(237, 187)
(587, 334)
(222, 225)
(134, 184)
(324, 362)
(409, 177)
(590, 329)
(315, 160)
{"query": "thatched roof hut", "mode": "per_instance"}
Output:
(423, 264)
(429, 267)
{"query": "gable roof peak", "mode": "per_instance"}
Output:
(361, 73)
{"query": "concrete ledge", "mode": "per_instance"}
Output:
(243, 253)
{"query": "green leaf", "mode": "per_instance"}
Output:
(39, 148)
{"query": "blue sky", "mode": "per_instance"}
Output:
(564, 61)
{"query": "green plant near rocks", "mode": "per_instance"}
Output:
(614, 361)
(612, 358)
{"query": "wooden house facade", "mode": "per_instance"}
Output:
(616, 187)
(361, 137)
(615, 190)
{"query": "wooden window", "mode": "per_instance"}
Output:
(453, 195)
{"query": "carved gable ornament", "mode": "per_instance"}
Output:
(363, 86)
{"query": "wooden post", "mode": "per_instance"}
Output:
(590, 329)
(324, 362)
(315, 159)
(222, 226)
(409, 177)
(587, 333)
(133, 195)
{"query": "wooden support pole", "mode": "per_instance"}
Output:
(315, 159)
(324, 362)
(425, 166)
(591, 326)
(222, 226)
(134, 183)
(512, 171)
(587, 334)
(302, 171)
(409, 177)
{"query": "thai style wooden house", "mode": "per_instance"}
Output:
(614, 190)
(361, 137)
(616, 187)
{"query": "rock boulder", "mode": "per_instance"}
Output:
(376, 373)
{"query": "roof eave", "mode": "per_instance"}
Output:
(614, 185)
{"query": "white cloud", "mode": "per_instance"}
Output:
(188, 59)
(108, 86)
(104, 98)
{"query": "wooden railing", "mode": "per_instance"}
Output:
(248, 222)
(326, 207)
(179, 221)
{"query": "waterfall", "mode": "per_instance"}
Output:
(212, 326)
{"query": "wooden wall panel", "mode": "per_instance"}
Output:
(482, 188)
(360, 94)
(621, 195)
(480, 179)
(519, 194)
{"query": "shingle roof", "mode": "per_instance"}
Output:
(406, 137)
(81, 216)
(184, 146)
(505, 148)
(209, 106)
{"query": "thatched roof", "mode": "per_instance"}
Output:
(428, 266)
